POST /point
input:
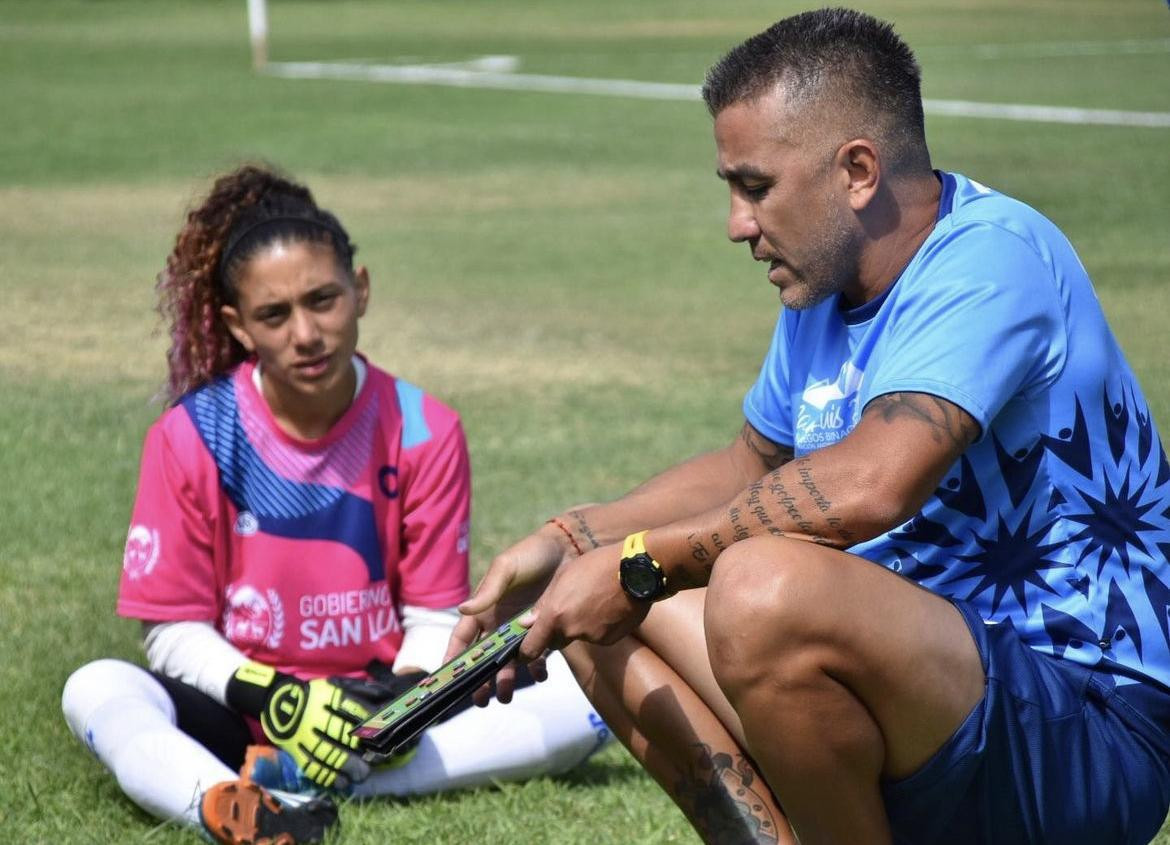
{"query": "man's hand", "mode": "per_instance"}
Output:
(584, 601)
(311, 720)
(514, 581)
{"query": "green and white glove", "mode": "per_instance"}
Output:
(311, 720)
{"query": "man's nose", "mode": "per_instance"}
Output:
(741, 221)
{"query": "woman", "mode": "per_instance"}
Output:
(298, 546)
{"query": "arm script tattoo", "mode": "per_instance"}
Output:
(810, 497)
(948, 423)
(725, 799)
(772, 454)
(583, 527)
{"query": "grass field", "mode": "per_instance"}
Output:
(552, 265)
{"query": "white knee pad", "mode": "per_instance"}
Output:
(92, 687)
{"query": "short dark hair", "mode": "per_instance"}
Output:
(847, 57)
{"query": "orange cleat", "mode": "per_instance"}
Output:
(242, 813)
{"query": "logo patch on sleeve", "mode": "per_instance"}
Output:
(141, 553)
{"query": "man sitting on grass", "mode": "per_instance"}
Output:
(924, 596)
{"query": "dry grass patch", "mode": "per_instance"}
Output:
(87, 312)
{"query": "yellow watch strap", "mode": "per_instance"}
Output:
(634, 544)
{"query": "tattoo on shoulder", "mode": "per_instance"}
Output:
(726, 799)
(948, 423)
(772, 454)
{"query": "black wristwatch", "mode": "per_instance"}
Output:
(641, 576)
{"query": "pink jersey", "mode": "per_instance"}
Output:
(301, 552)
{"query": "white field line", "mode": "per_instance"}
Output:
(1046, 49)
(1047, 114)
(469, 75)
(1051, 49)
(463, 78)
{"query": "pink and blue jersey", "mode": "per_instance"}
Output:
(302, 553)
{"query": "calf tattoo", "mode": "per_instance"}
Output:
(725, 799)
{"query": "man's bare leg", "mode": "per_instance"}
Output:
(677, 738)
(841, 673)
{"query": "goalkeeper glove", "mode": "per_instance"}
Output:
(377, 692)
(311, 720)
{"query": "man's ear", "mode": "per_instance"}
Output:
(231, 318)
(859, 164)
(361, 281)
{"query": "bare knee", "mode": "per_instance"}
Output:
(766, 610)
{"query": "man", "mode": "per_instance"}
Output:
(924, 597)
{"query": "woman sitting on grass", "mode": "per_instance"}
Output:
(298, 546)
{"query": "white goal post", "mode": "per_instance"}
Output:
(258, 32)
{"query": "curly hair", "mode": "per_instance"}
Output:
(246, 210)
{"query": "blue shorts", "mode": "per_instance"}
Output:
(1053, 753)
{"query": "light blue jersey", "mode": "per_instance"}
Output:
(1058, 518)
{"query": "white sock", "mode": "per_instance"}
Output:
(547, 729)
(127, 719)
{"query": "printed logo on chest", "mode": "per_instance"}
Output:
(252, 617)
(347, 618)
(827, 409)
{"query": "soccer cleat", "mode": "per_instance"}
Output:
(242, 813)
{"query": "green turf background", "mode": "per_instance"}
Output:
(554, 266)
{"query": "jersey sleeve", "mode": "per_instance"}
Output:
(436, 514)
(168, 569)
(983, 323)
(767, 405)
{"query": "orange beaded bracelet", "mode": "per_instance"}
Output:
(568, 534)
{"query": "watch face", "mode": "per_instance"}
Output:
(641, 579)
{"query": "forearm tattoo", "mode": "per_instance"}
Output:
(738, 529)
(725, 799)
(756, 506)
(772, 454)
(947, 422)
(582, 524)
(777, 505)
(785, 501)
(704, 550)
(804, 471)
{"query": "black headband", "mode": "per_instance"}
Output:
(238, 235)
